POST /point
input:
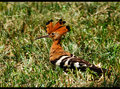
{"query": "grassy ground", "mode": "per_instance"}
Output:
(94, 36)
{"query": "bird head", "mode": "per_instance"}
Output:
(55, 32)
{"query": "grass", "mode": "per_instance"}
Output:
(94, 36)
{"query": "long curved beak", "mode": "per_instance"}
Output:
(42, 37)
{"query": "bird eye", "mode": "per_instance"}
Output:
(52, 33)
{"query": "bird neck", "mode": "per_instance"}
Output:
(56, 44)
(56, 50)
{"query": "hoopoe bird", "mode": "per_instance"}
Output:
(61, 58)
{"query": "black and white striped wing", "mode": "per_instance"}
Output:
(73, 62)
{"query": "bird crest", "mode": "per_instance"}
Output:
(59, 27)
(59, 57)
(57, 30)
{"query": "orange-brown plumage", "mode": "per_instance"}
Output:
(60, 57)
(59, 24)
(56, 51)
(49, 26)
(56, 32)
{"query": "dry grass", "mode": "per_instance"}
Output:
(94, 36)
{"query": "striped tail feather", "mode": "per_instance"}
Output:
(73, 62)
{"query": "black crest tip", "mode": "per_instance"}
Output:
(64, 22)
(68, 27)
(60, 20)
(49, 22)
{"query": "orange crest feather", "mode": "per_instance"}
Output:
(49, 26)
(57, 28)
